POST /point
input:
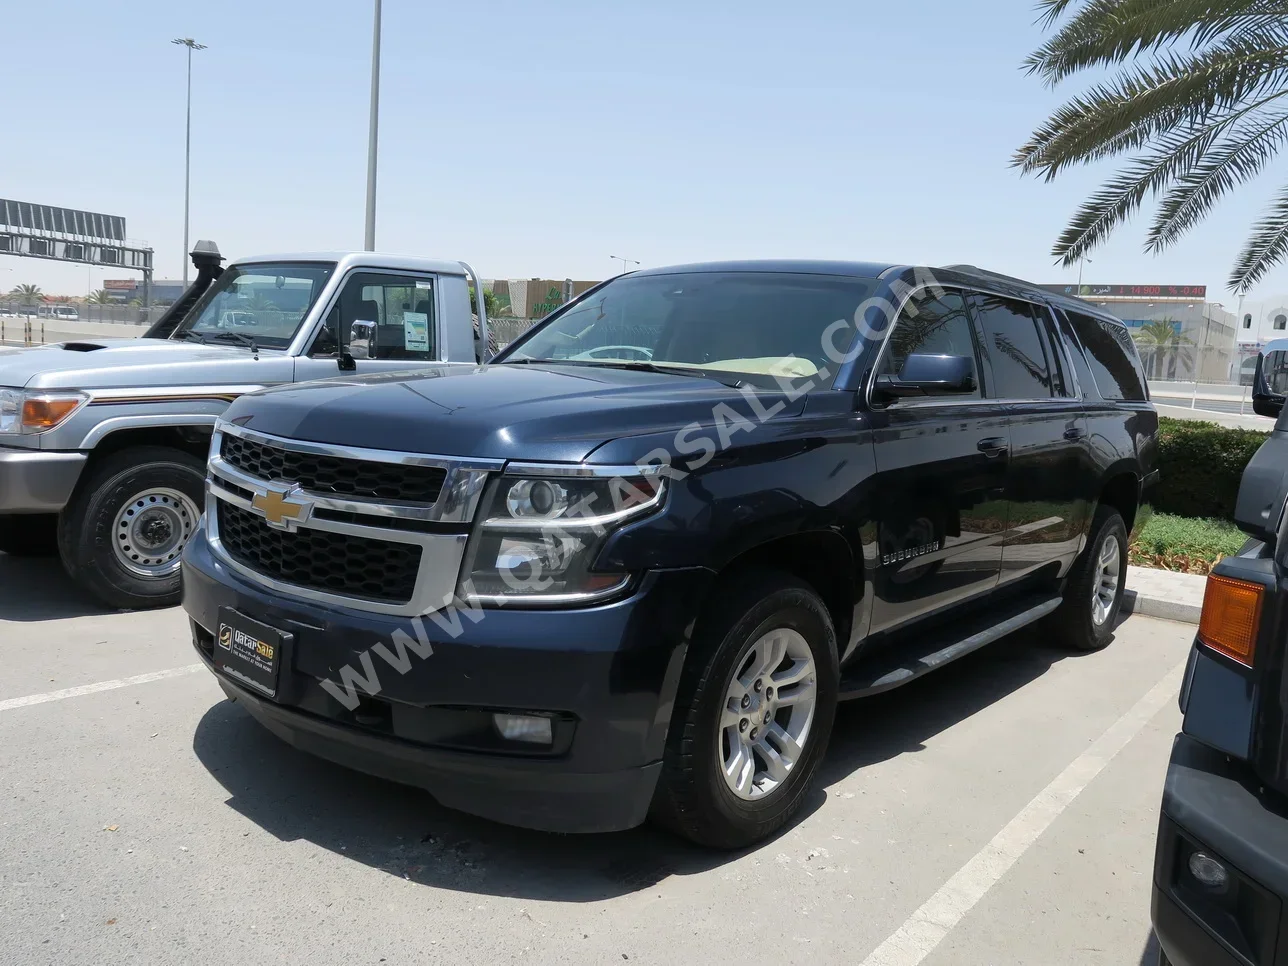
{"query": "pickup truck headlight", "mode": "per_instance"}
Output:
(36, 412)
(542, 528)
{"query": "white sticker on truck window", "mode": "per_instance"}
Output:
(416, 331)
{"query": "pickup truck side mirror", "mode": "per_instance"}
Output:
(930, 375)
(362, 339)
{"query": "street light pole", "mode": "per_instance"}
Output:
(369, 238)
(624, 261)
(187, 149)
(1081, 265)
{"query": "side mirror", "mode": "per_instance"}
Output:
(930, 375)
(362, 340)
(1270, 406)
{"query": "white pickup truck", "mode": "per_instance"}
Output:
(103, 441)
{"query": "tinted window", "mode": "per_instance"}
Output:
(1112, 357)
(931, 326)
(1275, 371)
(753, 323)
(1015, 349)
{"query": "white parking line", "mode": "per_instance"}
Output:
(926, 928)
(10, 703)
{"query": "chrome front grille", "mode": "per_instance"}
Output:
(370, 529)
(334, 563)
(333, 474)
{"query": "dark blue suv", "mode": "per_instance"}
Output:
(629, 567)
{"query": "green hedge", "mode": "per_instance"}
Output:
(1200, 465)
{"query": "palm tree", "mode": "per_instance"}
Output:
(28, 294)
(1196, 102)
(1158, 339)
(99, 297)
(491, 302)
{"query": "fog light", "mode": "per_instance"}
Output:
(1209, 872)
(524, 727)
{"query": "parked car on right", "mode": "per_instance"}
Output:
(1220, 893)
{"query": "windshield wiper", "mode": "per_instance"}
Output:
(655, 367)
(244, 340)
(191, 336)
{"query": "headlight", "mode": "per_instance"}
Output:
(36, 412)
(543, 526)
(10, 410)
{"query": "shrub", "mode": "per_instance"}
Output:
(1200, 465)
(1179, 543)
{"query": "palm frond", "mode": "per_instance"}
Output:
(1238, 158)
(1137, 105)
(1110, 31)
(1265, 248)
(1122, 194)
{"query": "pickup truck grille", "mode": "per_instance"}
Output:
(321, 560)
(334, 474)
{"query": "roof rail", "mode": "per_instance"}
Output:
(976, 270)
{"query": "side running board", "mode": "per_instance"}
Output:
(901, 664)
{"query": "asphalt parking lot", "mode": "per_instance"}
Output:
(1002, 811)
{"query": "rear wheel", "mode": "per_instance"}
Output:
(1093, 594)
(122, 535)
(752, 715)
(29, 535)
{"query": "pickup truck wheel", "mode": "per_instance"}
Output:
(29, 535)
(123, 533)
(1093, 594)
(752, 715)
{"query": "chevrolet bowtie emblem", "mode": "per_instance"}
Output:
(281, 509)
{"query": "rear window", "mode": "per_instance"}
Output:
(1112, 357)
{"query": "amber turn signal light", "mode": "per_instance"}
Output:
(38, 413)
(1231, 617)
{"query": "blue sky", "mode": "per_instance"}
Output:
(538, 139)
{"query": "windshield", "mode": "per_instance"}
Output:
(265, 302)
(765, 324)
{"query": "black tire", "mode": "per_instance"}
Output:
(1073, 623)
(86, 528)
(692, 797)
(29, 535)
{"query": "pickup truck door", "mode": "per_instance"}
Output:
(1051, 482)
(385, 320)
(941, 475)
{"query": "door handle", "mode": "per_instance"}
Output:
(1074, 432)
(993, 445)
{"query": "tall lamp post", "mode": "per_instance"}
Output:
(369, 238)
(624, 261)
(187, 148)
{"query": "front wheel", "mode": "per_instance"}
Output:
(752, 715)
(1093, 594)
(122, 535)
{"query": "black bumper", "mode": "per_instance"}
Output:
(1213, 803)
(608, 673)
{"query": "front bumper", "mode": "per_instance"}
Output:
(33, 481)
(609, 673)
(1213, 803)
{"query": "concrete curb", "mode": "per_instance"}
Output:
(1164, 594)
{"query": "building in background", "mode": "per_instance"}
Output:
(123, 290)
(1203, 339)
(1259, 323)
(533, 298)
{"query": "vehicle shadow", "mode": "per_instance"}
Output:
(38, 589)
(404, 832)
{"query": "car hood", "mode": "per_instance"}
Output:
(533, 412)
(95, 363)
